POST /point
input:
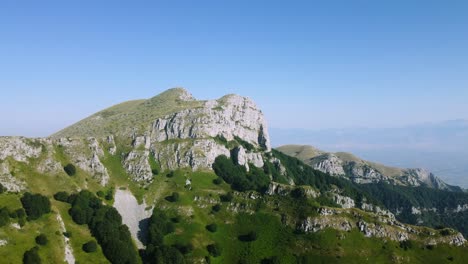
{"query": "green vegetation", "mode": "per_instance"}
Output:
(214, 250)
(35, 205)
(155, 168)
(2, 189)
(42, 240)
(32, 256)
(212, 228)
(90, 246)
(61, 196)
(174, 197)
(135, 115)
(4, 216)
(238, 177)
(106, 226)
(70, 169)
(245, 144)
(156, 252)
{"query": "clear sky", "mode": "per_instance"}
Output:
(308, 64)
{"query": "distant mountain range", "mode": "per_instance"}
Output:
(441, 148)
(347, 165)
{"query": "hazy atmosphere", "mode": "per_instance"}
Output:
(326, 64)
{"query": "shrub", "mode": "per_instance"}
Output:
(216, 208)
(31, 256)
(218, 181)
(445, 232)
(298, 193)
(68, 234)
(227, 197)
(212, 228)
(214, 250)
(184, 249)
(20, 213)
(176, 219)
(249, 237)
(35, 205)
(272, 260)
(42, 240)
(61, 196)
(109, 196)
(2, 189)
(90, 246)
(170, 174)
(70, 169)
(4, 216)
(13, 214)
(174, 197)
(100, 194)
(406, 244)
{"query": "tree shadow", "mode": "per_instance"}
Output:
(142, 234)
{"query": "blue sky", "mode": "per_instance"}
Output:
(308, 64)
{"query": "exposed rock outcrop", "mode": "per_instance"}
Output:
(11, 183)
(86, 153)
(230, 117)
(378, 226)
(19, 148)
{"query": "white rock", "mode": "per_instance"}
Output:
(69, 257)
(11, 183)
(132, 213)
(233, 116)
(19, 148)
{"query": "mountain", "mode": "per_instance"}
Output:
(173, 179)
(440, 147)
(361, 171)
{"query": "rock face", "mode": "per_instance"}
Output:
(378, 225)
(329, 163)
(19, 148)
(11, 183)
(417, 177)
(230, 117)
(86, 154)
(188, 138)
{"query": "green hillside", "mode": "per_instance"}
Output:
(131, 116)
(251, 226)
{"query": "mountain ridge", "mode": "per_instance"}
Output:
(208, 168)
(347, 165)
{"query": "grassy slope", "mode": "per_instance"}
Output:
(274, 238)
(135, 115)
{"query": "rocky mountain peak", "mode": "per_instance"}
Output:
(173, 94)
(174, 130)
